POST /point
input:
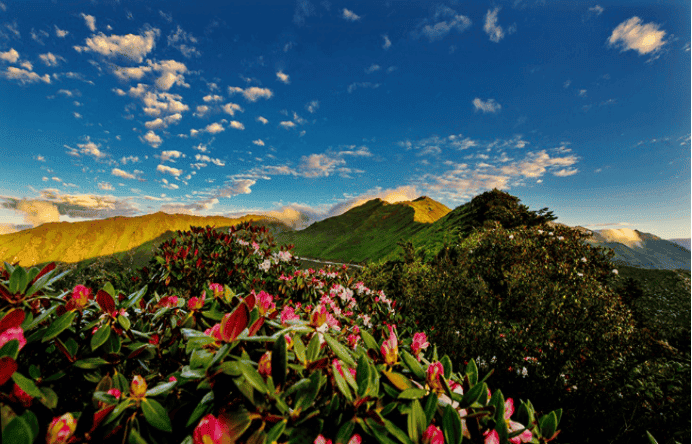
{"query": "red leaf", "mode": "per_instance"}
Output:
(105, 301)
(233, 323)
(7, 368)
(12, 319)
(48, 268)
(256, 326)
(100, 416)
(250, 301)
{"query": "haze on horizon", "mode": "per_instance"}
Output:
(304, 109)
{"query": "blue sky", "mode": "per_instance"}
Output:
(302, 109)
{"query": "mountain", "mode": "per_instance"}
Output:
(685, 242)
(643, 250)
(76, 241)
(366, 232)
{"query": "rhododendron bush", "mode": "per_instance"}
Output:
(232, 343)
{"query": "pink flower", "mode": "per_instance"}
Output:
(138, 387)
(61, 429)
(265, 302)
(214, 332)
(265, 364)
(217, 289)
(512, 426)
(13, 333)
(196, 303)
(433, 435)
(154, 339)
(390, 348)
(168, 301)
(115, 392)
(322, 440)
(289, 341)
(288, 314)
(20, 395)
(433, 376)
(355, 439)
(318, 316)
(172, 379)
(353, 341)
(81, 296)
(420, 342)
(491, 437)
(211, 430)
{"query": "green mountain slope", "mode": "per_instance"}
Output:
(367, 232)
(77, 241)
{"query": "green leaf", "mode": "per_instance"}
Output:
(548, 425)
(451, 425)
(41, 317)
(275, 432)
(115, 413)
(473, 395)
(17, 431)
(400, 381)
(413, 393)
(59, 325)
(156, 415)
(27, 385)
(108, 288)
(259, 437)
(498, 400)
(40, 283)
(416, 422)
(90, 363)
(134, 298)
(299, 348)
(396, 431)
(447, 365)
(313, 348)
(49, 398)
(649, 436)
(135, 438)
(32, 422)
(430, 406)
(18, 280)
(345, 432)
(369, 341)
(161, 388)
(341, 383)
(412, 364)
(472, 372)
(124, 322)
(10, 349)
(100, 336)
(306, 396)
(205, 406)
(279, 361)
(253, 377)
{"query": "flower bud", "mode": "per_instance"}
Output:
(61, 429)
(265, 364)
(138, 387)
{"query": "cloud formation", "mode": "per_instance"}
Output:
(130, 46)
(251, 94)
(633, 35)
(489, 106)
(442, 23)
(350, 15)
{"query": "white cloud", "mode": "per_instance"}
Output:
(282, 77)
(201, 148)
(214, 128)
(10, 56)
(124, 174)
(168, 170)
(171, 73)
(77, 115)
(157, 103)
(201, 110)
(60, 33)
(489, 106)
(24, 76)
(598, 9)
(252, 93)
(27, 65)
(90, 22)
(491, 27)
(50, 59)
(168, 155)
(130, 46)
(204, 158)
(445, 20)
(319, 165)
(152, 139)
(631, 34)
(372, 68)
(231, 108)
(262, 120)
(131, 73)
(361, 151)
(566, 172)
(237, 125)
(258, 142)
(353, 86)
(184, 42)
(132, 159)
(287, 124)
(212, 98)
(312, 106)
(350, 15)
(105, 186)
(387, 43)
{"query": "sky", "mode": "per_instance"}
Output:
(303, 109)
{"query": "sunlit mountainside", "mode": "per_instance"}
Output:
(77, 241)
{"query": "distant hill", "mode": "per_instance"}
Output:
(683, 242)
(643, 250)
(366, 232)
(72, 242)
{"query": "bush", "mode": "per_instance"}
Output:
(234, 363)
(539, 305)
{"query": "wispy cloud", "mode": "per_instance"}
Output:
(493, 29)
(442, 23)
(280, 76)
(312, 106)
(184, 42)
(24, 76)
(350, 15)
(262, 120)
(130, 46)
(152, 139)
(387, 43)
(258, 142)
(61, 33)
(251, 94)
(488, 106)
(122, 173)
(372, 68)
(597, 10)
(90, 22)
(633, 35)
(287, 124)
(165, 169)
(50, 59)
(10, 56)
(354, 86)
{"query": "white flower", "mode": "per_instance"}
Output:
(583, 259)
(511, 236)
(615, 272)
(264, 266)
(540, 231)
(550, 234)
(560, 238)
(580, 274)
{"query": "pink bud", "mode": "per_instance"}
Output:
(61, 429)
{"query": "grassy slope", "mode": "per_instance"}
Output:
(367, 232)
(75, 242)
